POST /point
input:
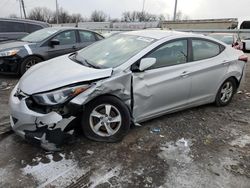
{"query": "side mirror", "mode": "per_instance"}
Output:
(146, 63)
(54, 42)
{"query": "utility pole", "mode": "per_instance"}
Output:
(57, 12)
(143, 6)
(175, 9)
(20, 8)
(142, 12)
(24, 12)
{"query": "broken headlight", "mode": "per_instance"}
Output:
(59, 96)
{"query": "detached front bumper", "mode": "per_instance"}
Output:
(36, 127)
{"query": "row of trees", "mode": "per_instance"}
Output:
(46, 15)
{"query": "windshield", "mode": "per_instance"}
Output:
(40, 35)
(114, 51)
(228, 39)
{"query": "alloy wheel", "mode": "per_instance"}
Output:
(105, 120)
(30, 64)
(226, 92)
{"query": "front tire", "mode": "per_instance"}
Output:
(226, 92)
(106, 119)
(29, 62)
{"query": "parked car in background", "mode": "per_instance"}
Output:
(18, 56)
(246, 44)
(12, 28)
(231, 39)
(127, 78)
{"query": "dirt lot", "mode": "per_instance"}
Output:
(201, 147)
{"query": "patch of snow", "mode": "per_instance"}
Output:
(241, 141)
(176, 152)
(103, 176)
(59, 174)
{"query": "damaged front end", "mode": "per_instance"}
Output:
(42, 118)
(49, 118)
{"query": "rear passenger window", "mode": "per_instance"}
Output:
(86, 36)
(8, 26)
(32, 27)
(203, 49)
(99, 37)
(172, 53)
(67, 37)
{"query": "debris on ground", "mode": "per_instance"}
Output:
(155, 130)
(240, 92)
(208, 140)
(89, 152)
(5, 86)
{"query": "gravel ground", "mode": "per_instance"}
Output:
(200, 147)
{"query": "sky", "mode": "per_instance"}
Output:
(194, 9)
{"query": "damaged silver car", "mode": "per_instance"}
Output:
(122, 80)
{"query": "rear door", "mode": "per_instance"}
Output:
(68, 42)
(86, 38)
(165, 86)
(209, 65)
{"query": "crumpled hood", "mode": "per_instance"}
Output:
(58, 72)
(7, 45)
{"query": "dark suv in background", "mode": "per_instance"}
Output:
(12, 28)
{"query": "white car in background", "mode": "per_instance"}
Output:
(246, 44)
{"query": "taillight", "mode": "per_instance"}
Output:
(243, 58)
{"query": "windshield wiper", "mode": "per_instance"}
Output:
(83, 61)
(91, 65)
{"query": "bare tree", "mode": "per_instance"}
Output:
(41, 14)
(181, 16)
(75, 18)
(36, 14)
(98, 16)
(13, 16)
(64, 16)
(137, 16)
(161, 17)
(46, 15)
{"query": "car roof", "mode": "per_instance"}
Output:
(225, 34)
(44, 24)
(160, 34)
(74, 28)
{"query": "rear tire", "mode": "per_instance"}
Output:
(226, 92)
(106, 119)
(29, 62)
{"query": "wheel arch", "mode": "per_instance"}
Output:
(110, 95)
(34, 55)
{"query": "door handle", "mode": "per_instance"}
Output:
(184, 74)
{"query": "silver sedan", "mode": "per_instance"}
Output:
(122, 80)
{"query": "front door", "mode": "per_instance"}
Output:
(166, 85)
(68, 44)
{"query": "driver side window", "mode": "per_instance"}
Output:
(172, 53)
(67, 37)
